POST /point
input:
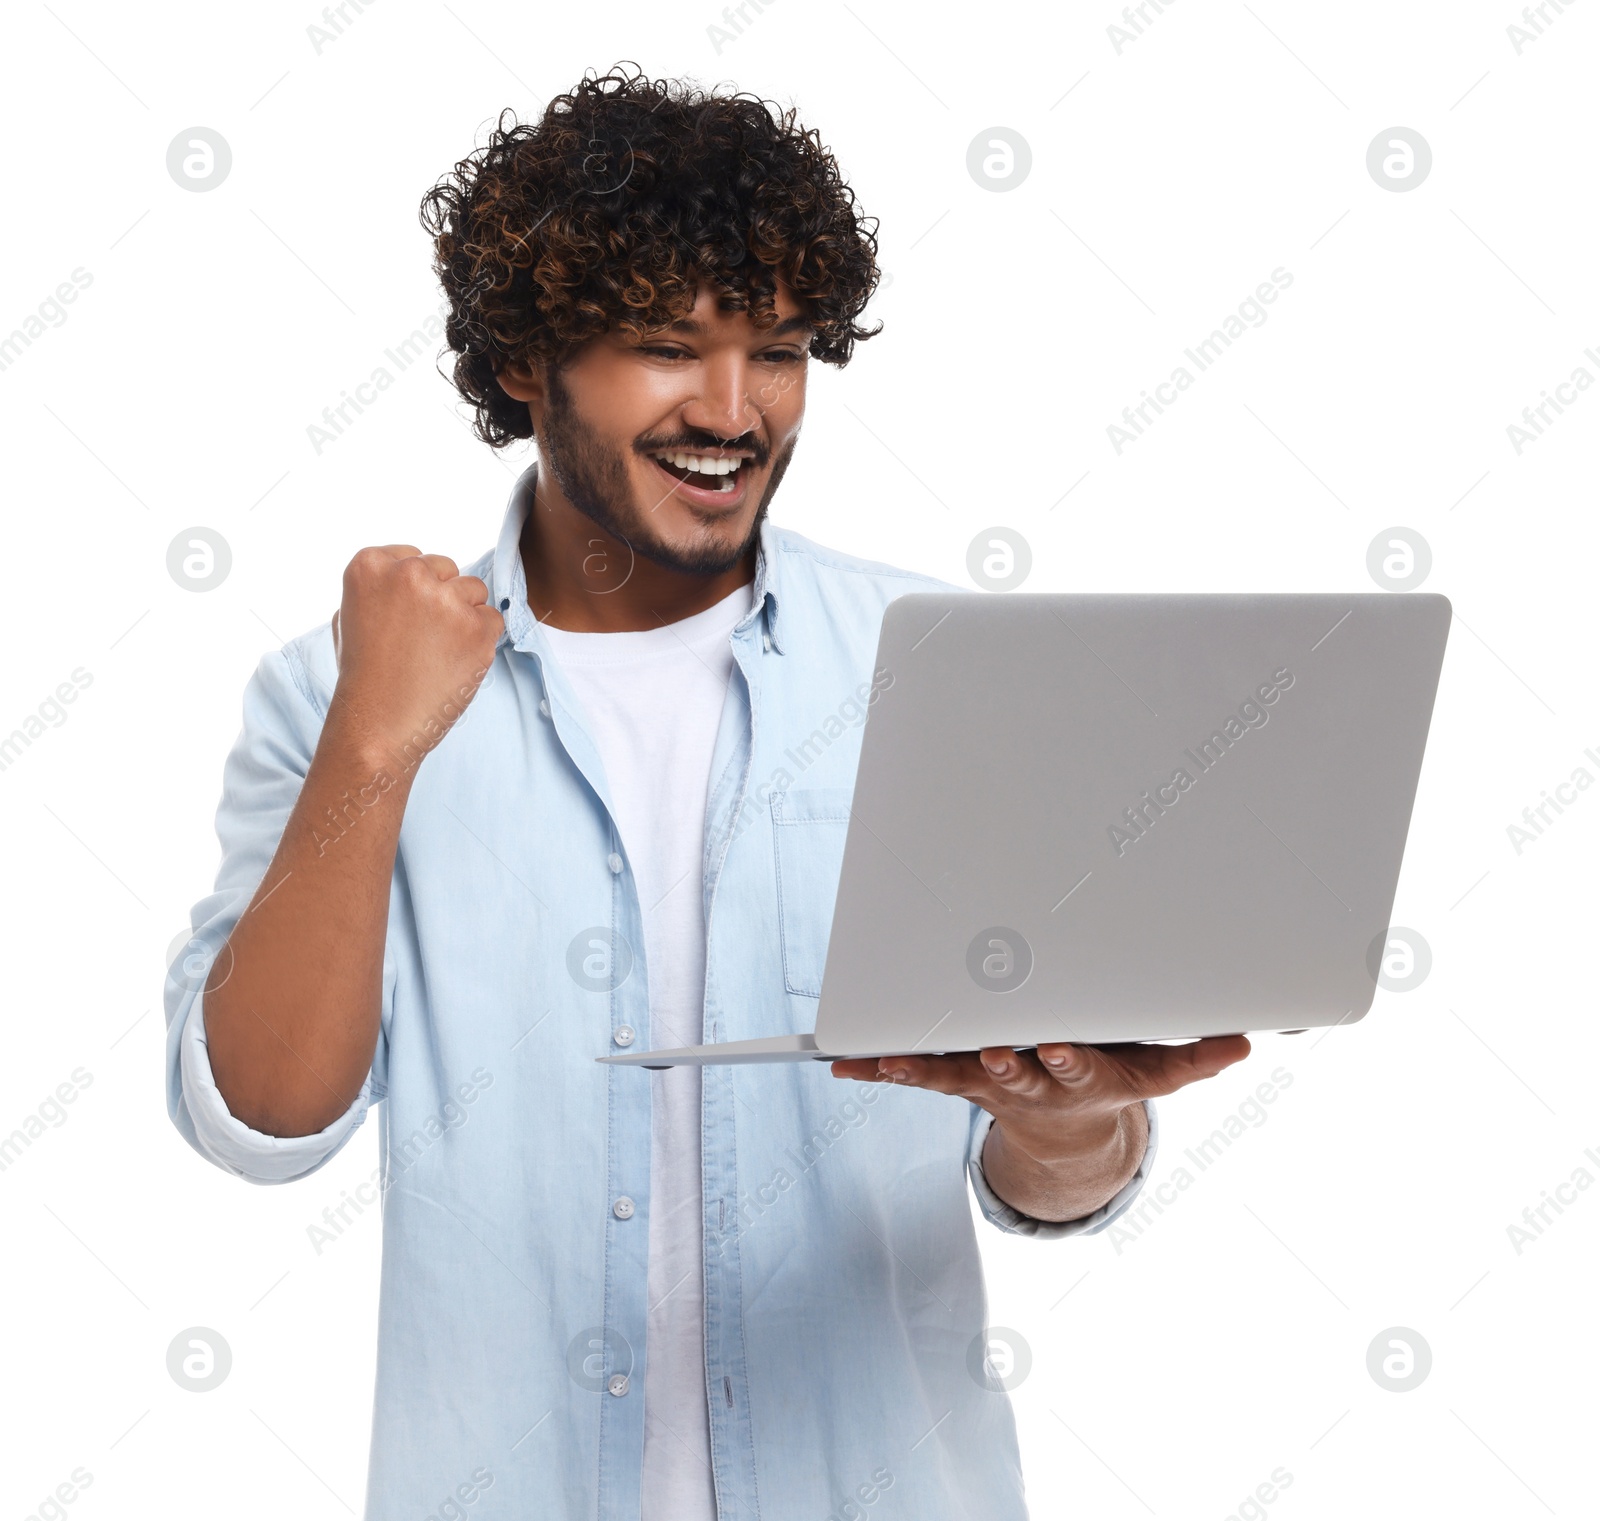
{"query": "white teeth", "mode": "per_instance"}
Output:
(703, 464)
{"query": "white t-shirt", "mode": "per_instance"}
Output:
(652, 701)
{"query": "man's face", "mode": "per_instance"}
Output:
(623, 425)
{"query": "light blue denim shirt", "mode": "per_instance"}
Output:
(844, 1299)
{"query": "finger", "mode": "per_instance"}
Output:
(864, 1069)
(1154, 1071)
(913, 1071)
(1014, 1072)
(869, 1069)
(1178, 1066)
(1209, 1056)
(960, 1073)
(443, 567)
(398, 551)
(471, 589)
(1070, 1066)
(1096, 1078)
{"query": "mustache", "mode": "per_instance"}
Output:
(705, 444)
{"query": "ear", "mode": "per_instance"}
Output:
(521, 383)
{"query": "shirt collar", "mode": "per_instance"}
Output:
(508, 584)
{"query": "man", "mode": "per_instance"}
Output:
(752, 1292)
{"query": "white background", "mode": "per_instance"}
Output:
(1170, 1374)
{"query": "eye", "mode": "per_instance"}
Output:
(784, 356)
(665, 353)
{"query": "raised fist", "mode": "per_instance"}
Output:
(413, 639)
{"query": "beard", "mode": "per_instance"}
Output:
(594, 478)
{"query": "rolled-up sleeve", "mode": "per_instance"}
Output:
(262, 778)
(1001, 1215)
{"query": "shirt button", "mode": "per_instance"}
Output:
(544, 707)
(505, 602)
(766, 641)
(623, 1208)
(617, 1384)
(614, 861)
(623, 1035)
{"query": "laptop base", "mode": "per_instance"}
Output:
(774, 1048)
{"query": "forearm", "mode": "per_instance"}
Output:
(293, 1001)
(1090, 1167)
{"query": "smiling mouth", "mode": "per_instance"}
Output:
(712, 474)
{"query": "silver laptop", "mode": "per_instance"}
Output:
(1120, 818)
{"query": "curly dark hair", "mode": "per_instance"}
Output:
(611, 210)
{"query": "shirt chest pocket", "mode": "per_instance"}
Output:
(808, 832)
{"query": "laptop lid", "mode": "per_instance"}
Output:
(1127, 817)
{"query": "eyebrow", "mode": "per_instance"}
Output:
(699, 329)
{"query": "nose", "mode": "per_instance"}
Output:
(722, 404)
